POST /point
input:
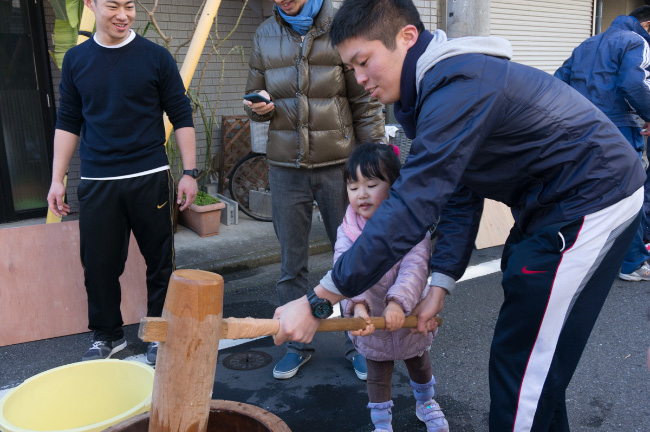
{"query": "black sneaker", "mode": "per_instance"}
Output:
(104, 349)
(152, 353)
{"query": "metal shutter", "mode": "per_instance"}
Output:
(543, 33)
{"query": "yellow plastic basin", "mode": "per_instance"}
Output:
(79, 397)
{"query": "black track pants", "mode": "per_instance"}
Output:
(555, 283)
(109, 211)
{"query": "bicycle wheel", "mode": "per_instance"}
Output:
(249, 186)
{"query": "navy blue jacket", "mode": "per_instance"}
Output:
(612, 70)
(491, 128)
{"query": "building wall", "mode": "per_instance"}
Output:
(544, 34)
(614, 8)
(177, 20)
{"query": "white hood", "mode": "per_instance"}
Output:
(441, 48)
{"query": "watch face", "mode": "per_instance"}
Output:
(322, 310)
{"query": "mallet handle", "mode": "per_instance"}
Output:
(155, 329)
(249, 328)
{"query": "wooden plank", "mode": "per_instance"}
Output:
(42, 292)
(495, 225)
(235, 144)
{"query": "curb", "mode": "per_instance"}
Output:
(254, 260)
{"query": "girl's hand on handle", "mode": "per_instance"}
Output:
(360, 311)
(394, 315)
(428, 308)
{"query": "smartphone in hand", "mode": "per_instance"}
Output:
(255, 97)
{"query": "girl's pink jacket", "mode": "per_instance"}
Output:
(405, 283)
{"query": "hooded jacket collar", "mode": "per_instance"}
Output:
(405, 107)
(438, 49)
(624, 22)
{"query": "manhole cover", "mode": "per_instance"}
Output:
(247, 360)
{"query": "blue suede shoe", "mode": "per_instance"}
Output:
(289, 365)
(360, 368)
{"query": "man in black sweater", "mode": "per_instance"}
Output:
(114, 89)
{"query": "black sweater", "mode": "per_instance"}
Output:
(114, 99)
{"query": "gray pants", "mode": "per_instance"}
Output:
(294, 192)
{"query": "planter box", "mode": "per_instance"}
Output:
(203, 220)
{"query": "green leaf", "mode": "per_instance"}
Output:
(202, 199)
(65, 37)
(74, 8)
(59, 7)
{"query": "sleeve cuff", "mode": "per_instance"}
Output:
(443, 281)
(327, 283)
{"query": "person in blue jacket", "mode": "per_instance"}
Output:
(612, 70)
(485, 127)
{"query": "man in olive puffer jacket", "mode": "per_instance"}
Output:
(318, 114)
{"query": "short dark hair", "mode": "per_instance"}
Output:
(375, 161)
(642, 14)
(374, 20)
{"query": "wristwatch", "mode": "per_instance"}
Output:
(194, 173)
(320, 308)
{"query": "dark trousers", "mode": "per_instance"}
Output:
(294, 193)
(555, 282)
(637, 253)
(380, 376)
(109, 210)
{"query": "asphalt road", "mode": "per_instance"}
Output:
(610, 390)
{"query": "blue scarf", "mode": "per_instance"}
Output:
(304, 20)
(404, 109)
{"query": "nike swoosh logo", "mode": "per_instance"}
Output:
(162, 205)
(526, 271)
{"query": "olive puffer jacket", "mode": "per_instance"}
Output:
(321, 113)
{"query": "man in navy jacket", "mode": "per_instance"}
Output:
(484, 127)
(612, 70)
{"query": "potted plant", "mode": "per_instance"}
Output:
(204, 215)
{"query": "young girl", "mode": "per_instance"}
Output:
(369, 174)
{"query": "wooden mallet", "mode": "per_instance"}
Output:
(189, 332)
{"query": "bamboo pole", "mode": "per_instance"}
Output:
(86, 26)
(195, 49)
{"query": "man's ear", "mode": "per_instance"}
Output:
(408, 35)
(89, 4)
(645, 25)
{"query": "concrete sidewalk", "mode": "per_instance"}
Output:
(244, 246)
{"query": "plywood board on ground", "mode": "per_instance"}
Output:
(495, 226)
(42, 292)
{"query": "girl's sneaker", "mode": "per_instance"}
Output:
(431, 414)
